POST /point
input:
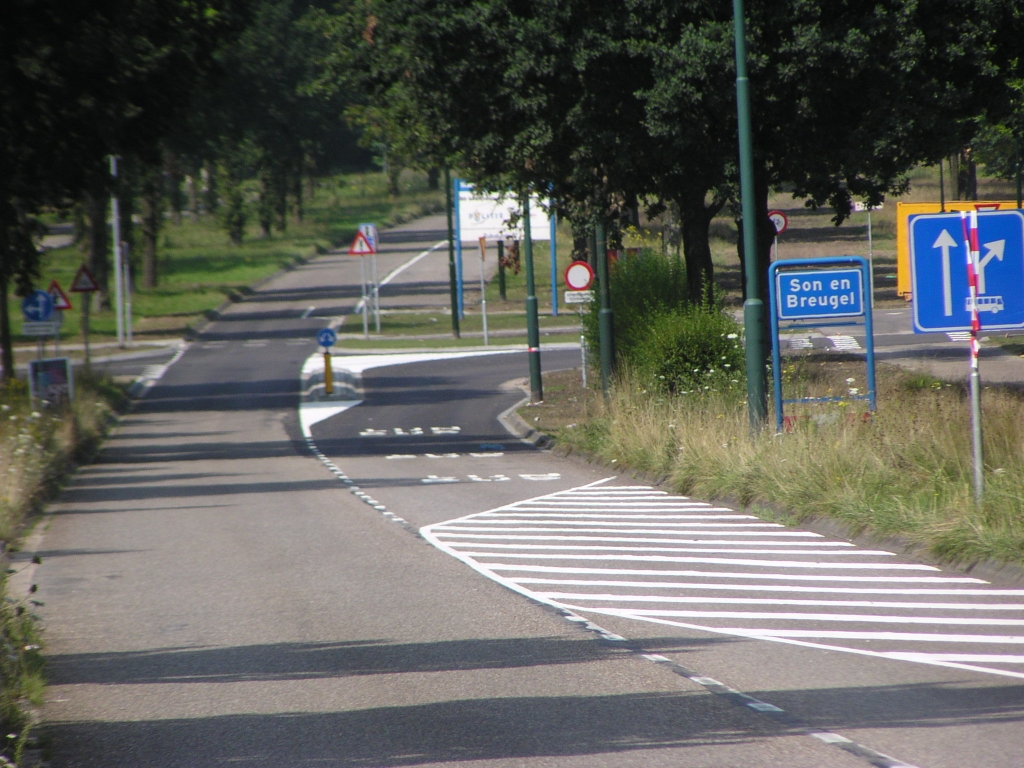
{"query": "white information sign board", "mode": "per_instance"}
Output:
(487, 214)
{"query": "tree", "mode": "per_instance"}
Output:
(80, 81)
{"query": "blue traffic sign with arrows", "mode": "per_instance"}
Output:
(326, 337)
(938, 271)
(37, 307)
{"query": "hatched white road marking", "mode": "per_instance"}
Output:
(844, 342)
(639, 553)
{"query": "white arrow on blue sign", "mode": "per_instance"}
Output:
(37, 306)
(938, 271)
(326, 337)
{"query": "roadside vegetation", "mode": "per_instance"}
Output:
(200, 268)
(39, 448)
(677, 410)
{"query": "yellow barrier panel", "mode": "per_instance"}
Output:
(903, 213)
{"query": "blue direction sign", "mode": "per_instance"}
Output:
(37, 306)
(818, 293)
(326, 337)
(938, 272)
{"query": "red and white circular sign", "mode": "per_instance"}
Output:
(779, 221)
(578, 276)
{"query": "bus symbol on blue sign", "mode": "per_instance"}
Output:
(808, 294)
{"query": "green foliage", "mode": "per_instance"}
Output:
(691, 351)
(642, 287)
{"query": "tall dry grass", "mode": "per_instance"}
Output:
(906, 471)
(38, 449)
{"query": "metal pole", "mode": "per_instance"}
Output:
(605, 326)
(86, 299)
(972, 247)
(583, 349)
(366, 300)
(501, 270)
(127, 292)
(376, 292)
(554, 266)
(328, 374)
(483, 289)
(942, 190)
(453, 290)
(753, 307)
(1020, 165)
(458, 253)
(532, 326)
(115, 210)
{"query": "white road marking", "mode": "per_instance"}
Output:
(545, 476)
(844, 342)
(313, 413)
(401, 456)
(611, 548)
(959, 336)
(634, 540)
(429, 479)
(776, 601)
(617, 550)
(255, 343)
(446, 430)
(441, 455)
(489, 455)
(373, 433)
(308, 312)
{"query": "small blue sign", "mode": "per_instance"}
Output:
(818, 293)
(938, 272)
(326, 337)
(37, 307)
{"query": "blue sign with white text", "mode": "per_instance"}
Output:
(817, 293)
(938, 272)
(37, 306)
(326, 337)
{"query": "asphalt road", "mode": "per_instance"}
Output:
(215, 594)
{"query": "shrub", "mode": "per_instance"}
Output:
(694, 350)
(642, 287)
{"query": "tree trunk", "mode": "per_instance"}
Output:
(6, 347)
(297, 194)
(967, 178)
(280, 198)
(210, 201)
(172, 164)
(394, 171)
(152, 218)
(266, 202)
(433, 179)
(192, 193)
(695, 224)
(97, 243)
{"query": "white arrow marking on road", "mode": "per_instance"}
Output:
(995, 249)
(945, 241)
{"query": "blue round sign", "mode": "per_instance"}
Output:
(326, 337)
(37, 306)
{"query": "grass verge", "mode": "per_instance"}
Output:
(199, 268)
(905, 472)
(38, 450)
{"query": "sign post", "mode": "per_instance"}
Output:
(60, 303)
(800, 292)
(84, 282)
(483, 295)
(780, 221)
(370, 233)
(361, 246)
(326, 338)
(947, 300)
(579, 276)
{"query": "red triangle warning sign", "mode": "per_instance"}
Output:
(361, 246)
(84, 282)
(60, 299)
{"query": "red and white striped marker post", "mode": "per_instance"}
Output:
(970, 230)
